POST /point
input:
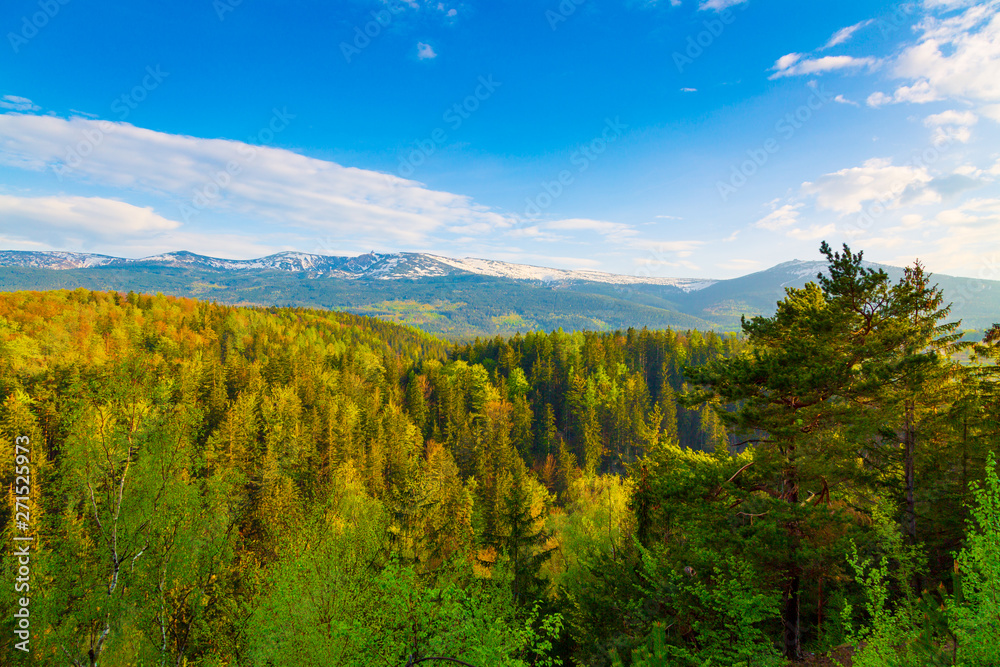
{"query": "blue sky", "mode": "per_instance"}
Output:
(706, 138)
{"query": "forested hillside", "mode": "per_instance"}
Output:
(455, 307)
(213, 485)
(452, 301)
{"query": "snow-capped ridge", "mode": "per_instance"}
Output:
(379, 266)
(490, 267)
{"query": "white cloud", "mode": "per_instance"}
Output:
(954, 58)
(912, 221)
(740, 264)
(425, 51)
(273, 185)
(919, 93)
(840, 99)
(787, 60)
(83, 219)
(949, 4)
(845, 34)
(793, 65)
(974, 210)
(951, 117)
(689, 90)
(16, 103)
(666, 254)
(813, 233)
(612, 231)
(780, 218)
(949, 133)
(651, 266)
(786, 219)
(878, 99)
(846, 191)
(991, 111)
(533, 232)
(719, 5)
(967, 232)
(673, 246)
(951, 126)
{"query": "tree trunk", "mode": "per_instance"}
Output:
(793, 634)
(819, 609)
(909, 455)
(790, 618)
(909, 445)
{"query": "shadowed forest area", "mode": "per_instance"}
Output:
(223, 486)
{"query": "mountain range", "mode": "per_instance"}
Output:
(457, 298)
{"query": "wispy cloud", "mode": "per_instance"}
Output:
(612, 231)
(793, 64)
(845, 34)
(812, 232)
(719, 5)
(16, 103)
(425, 51)
(740, 264)
(669, 254)
(271, 185)
(780, 218)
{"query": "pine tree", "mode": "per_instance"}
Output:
(816, 365)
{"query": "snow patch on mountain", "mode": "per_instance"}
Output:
(394, 266)
(489, 267)
(53, 260)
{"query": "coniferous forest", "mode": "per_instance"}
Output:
(219, 486)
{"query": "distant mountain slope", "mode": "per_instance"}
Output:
(456, 298)
(975, 302)
(462, 305)
(392, 266)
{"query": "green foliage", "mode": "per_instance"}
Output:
(884, 637)
(719, 617)
(592, 528)
(937, 628)
(337, 597)
(457, 307)
(976, 620)
(830, 381)
(236, 486)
